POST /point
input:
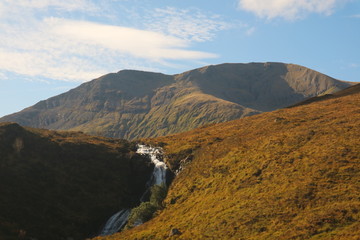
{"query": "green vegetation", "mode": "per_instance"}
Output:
(146, 210)
(158, 194)
(288, 174)
(135, 104)
(143, 213)
(55, 185)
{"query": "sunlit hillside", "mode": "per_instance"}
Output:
(288, 174)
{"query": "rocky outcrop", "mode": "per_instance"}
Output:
(174, 231)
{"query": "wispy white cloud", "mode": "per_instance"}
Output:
(3, 76)
(354, 65)
(289, 9)
(188, 24)
(250, 31)
(38, 44)
(139, 43)
(43, 64)
(355, 16)
(67, 5)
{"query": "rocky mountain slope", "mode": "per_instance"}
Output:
(64, 185)
(292, 173)
(133, 104)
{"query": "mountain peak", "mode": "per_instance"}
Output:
(136, 71)
(134, 104)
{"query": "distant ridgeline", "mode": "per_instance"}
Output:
(135, 104)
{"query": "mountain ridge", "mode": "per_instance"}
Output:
(132, 104)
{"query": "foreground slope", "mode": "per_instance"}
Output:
(134, 104)
(55, 185)
(288, 174)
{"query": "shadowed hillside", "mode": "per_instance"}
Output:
(348, 91)
(55, 185)
(133, 104)
(288, 174)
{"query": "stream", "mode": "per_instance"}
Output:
(117, 221)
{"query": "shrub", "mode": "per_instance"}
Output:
(141, 214)
(145, 211)
(158, 194)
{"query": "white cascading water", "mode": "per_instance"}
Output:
(116, 222)
(159, 173)
(119, 219)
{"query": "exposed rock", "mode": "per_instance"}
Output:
(174, 231)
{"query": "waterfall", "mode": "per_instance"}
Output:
(117, 221)
(159, 173)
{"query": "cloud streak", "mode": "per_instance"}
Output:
(66, 5)
(192, 25)
(289, 9)
(38, 44)
(139, 43)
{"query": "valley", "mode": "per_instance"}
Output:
(252, 151)
(179, 120)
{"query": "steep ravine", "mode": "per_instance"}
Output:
(158, 179)
(64, 185)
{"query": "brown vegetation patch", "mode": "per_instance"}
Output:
(288, 174)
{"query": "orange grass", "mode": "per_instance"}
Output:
(288, 174)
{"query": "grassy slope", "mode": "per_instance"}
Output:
(135, 104)
(288, 174)
(55, 185)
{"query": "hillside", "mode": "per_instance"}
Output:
(287, 174)
(133, 104)
(60, 185)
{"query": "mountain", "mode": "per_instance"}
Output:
(64, 185)
(132, 104)
(292, 173)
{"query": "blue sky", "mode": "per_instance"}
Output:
(48, 46)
